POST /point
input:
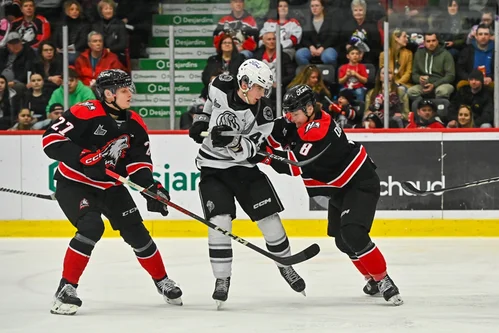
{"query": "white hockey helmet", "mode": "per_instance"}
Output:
(254, 71)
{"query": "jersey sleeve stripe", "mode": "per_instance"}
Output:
(134, 167)
(293, 169)
(272, 142)
(52, 138)
(345, 176)
(78, 177)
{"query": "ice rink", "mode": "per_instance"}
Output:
(448, 285)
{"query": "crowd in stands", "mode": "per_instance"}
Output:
(441, 56)
(100, 34)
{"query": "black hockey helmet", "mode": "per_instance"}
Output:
(298, 98)
(112, 79)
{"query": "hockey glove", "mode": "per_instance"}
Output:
(154, 205)
(94, 166)
(262, 159)
(224, 141)
(200, 124)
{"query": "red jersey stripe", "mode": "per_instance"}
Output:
(78, 177)
(52, 138)
(134, 167)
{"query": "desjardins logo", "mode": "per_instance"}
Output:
(176, 181)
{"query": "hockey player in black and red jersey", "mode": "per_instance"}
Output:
(344, 173)
(226, 173)
(87, 139)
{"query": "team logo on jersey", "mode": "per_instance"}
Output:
(311, 125)
(84, 203)
(230, 119)
(225, 77)
(267, 113)
(115, 149)
(216, 104)
(89, 105)
(210, 205)
(100, 130)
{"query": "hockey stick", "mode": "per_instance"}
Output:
(29, 194)
(409, 187)
(306, 254)
(288, 161)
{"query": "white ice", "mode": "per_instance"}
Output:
(448, 285)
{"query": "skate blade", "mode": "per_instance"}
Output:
(396, 300)
(60, 308)
(220, 304)
(176, 301)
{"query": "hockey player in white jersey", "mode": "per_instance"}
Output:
(228, 172)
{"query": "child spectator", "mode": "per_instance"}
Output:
(55, 111)
(344, 111)
(354, 74)
(37, 98)
(374, 120)
(78, 92)
(24, 121)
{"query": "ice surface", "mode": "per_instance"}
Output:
(448, 285)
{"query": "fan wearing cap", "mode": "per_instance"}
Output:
(426, 116)
(87, 139)
(344, 173)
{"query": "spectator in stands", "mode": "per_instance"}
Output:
(354, 74)
(374, 120)
(32, 28)
(290, 29)
(90, 10)
(478, 55)
(12, 9)
(481, 5)
(312, 76)
(319, 38)
(362, 32)
(16, 60)
(78, 29)
(487, 19)
(50, 9)
(453, 27)
(187, 118)
(227, 61)
(241, 25)
(426, 116)
(407, 14)
(8, 104)
(137, 15)
(480, 99)
(49, 63)
(78, 92)
(257, 8)
(37, 97)
(268, 54)
(464, 118)
(398, 100)
(24, 121)
(112, 29)
(346, 110)
(91, 62)
(433, 70)
(400, 59)
(55, 111)
(4, 31)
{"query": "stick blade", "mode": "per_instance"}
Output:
(299, 257)
(407, 186)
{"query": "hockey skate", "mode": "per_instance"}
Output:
(66, 301)
(221, 292)
(293, 279)
(170, 291)
(371, 287)
(390, 291)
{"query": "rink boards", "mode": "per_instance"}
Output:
(429, 159)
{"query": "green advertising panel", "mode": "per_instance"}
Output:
(164, 88)
(180, 64)
(195, 19)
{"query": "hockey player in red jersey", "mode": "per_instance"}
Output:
(87, 139)
(344, 173)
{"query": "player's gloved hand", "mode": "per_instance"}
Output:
(200, 124)
(154, 205)
(224, 141)
(94, 166)
(262, 159)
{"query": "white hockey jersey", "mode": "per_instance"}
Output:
(225, 107)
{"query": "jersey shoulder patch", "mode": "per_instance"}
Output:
(316, 129)
(224, 82)
(266, 113)
(87, 110)
(138, 119)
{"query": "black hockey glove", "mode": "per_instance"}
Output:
(94, 166)
(262, 159)
(154, 205)
(224, 141)
(200, 124)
